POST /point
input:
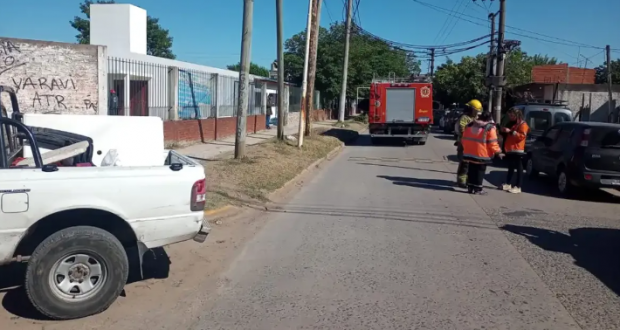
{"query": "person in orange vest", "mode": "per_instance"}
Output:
(479, 147)
(514, 147)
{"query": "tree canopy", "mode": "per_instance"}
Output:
(255, 69)
(601, 72)
(460, 82)
(158, 40)
(367, 56)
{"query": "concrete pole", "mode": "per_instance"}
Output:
(490, 64)
(610, 108)
(304, 84)
(244, 81)
(314, 43)
(280, 71)
(501, 57)
(345, 65)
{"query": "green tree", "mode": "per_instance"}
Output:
(465, 80)
(601, 72)
(367, 56)
(158, 40)
(255, 69)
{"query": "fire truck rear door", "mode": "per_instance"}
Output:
(400, 104)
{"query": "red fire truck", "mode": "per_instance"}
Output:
(401, 108)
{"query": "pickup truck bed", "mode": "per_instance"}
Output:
(81, 228)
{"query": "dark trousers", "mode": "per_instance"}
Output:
(475, 176)
(515, 163)
(267, 120)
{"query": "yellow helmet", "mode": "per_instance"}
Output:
(475, 104)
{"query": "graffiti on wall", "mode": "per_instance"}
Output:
(46, 78)
(194, 95)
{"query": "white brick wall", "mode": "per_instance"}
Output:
(51, 77)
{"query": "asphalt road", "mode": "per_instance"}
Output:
(380, 240)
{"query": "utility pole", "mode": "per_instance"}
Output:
(491, 64)
(432, 62)
(244, 75)
(280, 131)
(345, 66)
(314, 43)
(501, 58)
(610, 108)
(304, 84)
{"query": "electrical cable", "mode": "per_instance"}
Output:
(451, 13)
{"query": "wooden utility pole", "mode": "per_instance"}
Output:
(304, 84)
(345, 66)
(244, 78)
(314, 43)
(280, 131)
(491, 65)
(610, 108)
(501, 58)
(432, 62)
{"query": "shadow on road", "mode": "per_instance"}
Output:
(364, 140)
(444, 137)
(593, 249)
(156, 265)
(432, 184)
(423, 217)
(545, 186)
(407, 168)
(347, 136)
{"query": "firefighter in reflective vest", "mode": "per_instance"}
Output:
(514, 147)
(479, 147)
(472, 109)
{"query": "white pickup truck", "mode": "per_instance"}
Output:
(80, 226)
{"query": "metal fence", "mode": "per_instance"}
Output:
(139, 88)
(294, 99)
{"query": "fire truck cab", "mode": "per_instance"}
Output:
(401, 108)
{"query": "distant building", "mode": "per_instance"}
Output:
(563, 74)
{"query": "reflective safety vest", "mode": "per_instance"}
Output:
(515, 140)
(480, 142)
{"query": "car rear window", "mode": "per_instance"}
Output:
(605, 136)
(539, 120)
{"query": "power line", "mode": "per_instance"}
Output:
(456, 21)
(445, 22)
(561, 41)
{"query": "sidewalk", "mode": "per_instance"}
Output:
(212, 149)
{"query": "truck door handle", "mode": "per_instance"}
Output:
(176, 167)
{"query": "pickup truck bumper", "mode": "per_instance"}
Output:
(202, 234)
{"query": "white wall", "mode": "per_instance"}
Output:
(52, 77)
(120, 27)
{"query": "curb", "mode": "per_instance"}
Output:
(330, 155)
(310, 167)
(218, 210)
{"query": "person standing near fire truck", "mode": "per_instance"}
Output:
(471, 112)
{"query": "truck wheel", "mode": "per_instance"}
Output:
(76, 272)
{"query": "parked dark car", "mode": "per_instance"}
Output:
(451, 120)
(578, 154)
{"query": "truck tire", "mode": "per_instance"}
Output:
(76, 272)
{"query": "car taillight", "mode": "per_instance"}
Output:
(585, 137)
(199, 195)
(423, 120)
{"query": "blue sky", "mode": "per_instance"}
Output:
(209, 31)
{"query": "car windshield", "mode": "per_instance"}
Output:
(538, 120)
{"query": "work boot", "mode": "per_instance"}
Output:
(506, 187)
